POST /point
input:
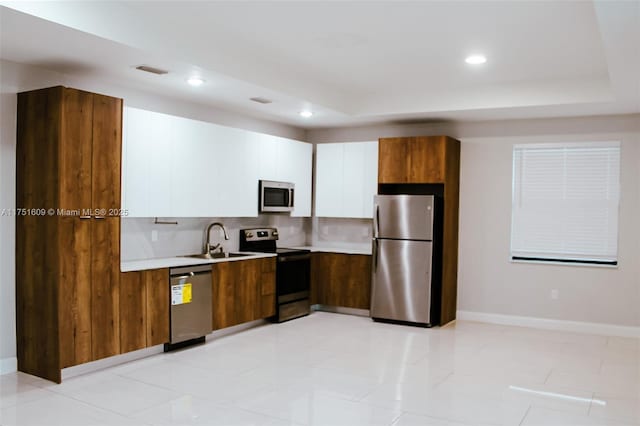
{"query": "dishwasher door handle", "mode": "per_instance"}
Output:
(182, 277)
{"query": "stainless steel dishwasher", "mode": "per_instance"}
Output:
(191, 305)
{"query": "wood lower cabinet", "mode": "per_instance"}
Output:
(243, 291)
(67, 246)
(144, 309)
(341, 280)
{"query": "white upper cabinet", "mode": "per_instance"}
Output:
(177, 167)
(346, 179)
(146, 161)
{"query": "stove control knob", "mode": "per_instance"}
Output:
(274, 233)
(248, 234)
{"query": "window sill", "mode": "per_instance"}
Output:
(559, 263)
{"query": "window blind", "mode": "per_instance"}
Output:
(565, 202)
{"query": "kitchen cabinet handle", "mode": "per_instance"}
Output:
(99, 217)
(85, 217)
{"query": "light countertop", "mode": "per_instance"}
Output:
(171, 262)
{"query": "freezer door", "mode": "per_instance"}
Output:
(405, 217)
(401, 280)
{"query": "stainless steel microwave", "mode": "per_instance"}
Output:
(276, 196)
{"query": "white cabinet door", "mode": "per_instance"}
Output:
(195, 176)
(353, 180)
(237, 189)
(370, 183)
(146, 163)
(329, 179)
(299, 165)
(346, 179)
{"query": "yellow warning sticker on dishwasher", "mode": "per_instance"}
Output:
(181, 294)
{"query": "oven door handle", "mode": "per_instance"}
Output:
(291, 192)
(294, 257)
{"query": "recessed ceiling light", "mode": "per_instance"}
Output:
(306, 113)
(195, 81)
(476, 59)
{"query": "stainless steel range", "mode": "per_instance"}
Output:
(293, 271)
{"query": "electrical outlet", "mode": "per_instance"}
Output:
(154, 235)
(555, 294)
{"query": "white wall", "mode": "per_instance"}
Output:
(488, 282)
(16, 78)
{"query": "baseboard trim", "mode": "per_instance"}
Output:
(341, 310)
(8, 365)
(552, 324)
(101, 364)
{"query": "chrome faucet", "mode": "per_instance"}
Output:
(209, 248)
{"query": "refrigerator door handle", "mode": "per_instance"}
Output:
(375, 255)
(376, 222)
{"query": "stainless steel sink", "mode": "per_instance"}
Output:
(217, 255)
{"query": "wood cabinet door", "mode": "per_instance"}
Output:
(267, 287)
(392, 160)
(324, 269)
(426, 159)
(247, 290)
(356, 289)
(133, 318)
(342, 279)
(157, 306)
(223, 294)
(74, 291)
(106, 153)
(105, 292)
(75, 150)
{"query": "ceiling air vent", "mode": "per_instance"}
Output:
(152, 70)
(261, 100)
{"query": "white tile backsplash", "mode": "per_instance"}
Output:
(187, 237)
(341, 231)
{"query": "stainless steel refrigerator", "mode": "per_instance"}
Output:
(403, 232)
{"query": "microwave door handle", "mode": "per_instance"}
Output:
(291, 197)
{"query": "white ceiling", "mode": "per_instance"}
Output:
(350, 62)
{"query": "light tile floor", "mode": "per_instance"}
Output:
(331, 369)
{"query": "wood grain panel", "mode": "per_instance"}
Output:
(357, 289)
(133, 317)
(450, 232)
(223, 295)
(426, 162)
(105, 305)
(75, 290)
(107, 152)
(157, 287)
(37, 267)
(392, 160)
(75, 150)
(342, 279)
(247, 291)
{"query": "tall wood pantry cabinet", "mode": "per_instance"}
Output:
(68, 238)
(435, 161)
